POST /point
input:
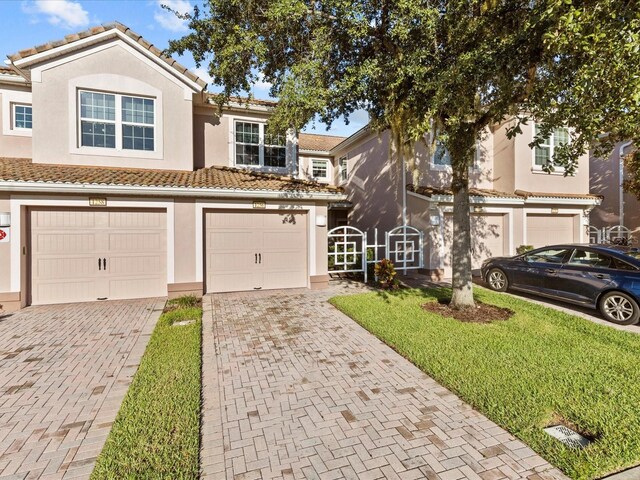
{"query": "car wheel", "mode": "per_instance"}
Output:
(620, 308)
(497, 280)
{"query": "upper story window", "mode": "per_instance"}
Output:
(22, 116)
(117, 121)
(544, 153)
(344, 169)
(320, 169)
(441, 158)
(256, 148)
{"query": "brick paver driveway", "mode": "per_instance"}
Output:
(295, 389)
(64, 370)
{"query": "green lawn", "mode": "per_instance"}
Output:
(522, 372)
(157, 431)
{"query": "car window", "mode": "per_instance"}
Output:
(620, 265)
(550, 255)
(586, 258)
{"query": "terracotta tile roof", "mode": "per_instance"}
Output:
(578, 196)
(69, 39)
(486, 193)
(319, 143)
(7, 71)
(474, 192)
(212, 178)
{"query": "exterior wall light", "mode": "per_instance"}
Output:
(5, 219)
(321, 221)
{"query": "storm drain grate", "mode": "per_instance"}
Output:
(567, 436)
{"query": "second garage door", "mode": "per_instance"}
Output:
(83, 255)
(487, 239)
(543, 230)
(255, 250)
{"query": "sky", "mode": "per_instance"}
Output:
(27, 23)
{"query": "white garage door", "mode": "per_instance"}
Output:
(255, 250)
(487, 239)
(85, 255)
(545, 230)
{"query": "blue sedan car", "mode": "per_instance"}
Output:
(602, 277)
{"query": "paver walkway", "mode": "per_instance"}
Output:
(295, 389)
(64, 370)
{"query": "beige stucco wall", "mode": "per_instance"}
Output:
(213, 144)
(305, 172)
(514, 166)
(605, 181)
(12, 145)
(532, 181)
(321, 256)
(5, 254)
(185, 237)
(54, 128)
(210, 138)
(503, 160)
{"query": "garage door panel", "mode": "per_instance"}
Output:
(69, 247)
(487, 239)
(62, 220)
(136, 220)
(234, 238)
(543, 230)
(63, 268)
(55, 243)
(136, 265)
(219, 239)
(135, 242)
(69, 291)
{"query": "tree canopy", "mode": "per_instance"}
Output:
(419, 66)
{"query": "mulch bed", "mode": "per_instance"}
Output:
(482, 313)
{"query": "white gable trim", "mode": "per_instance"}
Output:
(140, 52)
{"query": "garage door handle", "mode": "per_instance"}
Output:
(259, 258)
(256, 258)
(99, 264)
(104, 263)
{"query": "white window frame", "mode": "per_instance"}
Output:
(327, 168)
(343, 169)
(9, 98)
(557, 170)
(118, 122)
(448, 168)
(13, 117)
(262, 125)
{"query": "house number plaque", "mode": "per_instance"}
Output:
(97, 202)
(259, 204)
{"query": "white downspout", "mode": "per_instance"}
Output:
(621, 187)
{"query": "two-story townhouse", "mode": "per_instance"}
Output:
(514, 202)
(119, 178)
(618, 207)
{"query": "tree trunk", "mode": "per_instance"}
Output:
(461, 242)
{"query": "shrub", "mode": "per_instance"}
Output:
(523, 249)
(386, 274)
(185, 301)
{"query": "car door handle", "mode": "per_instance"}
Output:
(549, 270)
(601, 275)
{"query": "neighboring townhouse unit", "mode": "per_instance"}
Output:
(514, 202)
(119, 178)
(618, 207)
